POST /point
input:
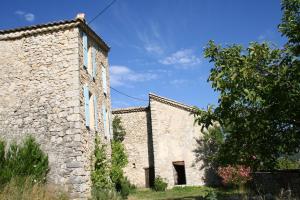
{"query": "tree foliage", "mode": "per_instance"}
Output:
(101, 169)
(208, 147)
(118, 130)
(119, 160)
(259, 102)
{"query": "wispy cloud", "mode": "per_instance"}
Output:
(178, 82)
(182, 59)
(30, 17)
(122, 75)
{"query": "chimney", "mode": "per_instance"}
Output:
(81, 16)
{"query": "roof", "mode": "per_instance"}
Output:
(171, 102)
(52, 26)
(156, 98)
(129, 110)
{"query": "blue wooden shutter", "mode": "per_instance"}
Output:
(104, 118)
(86, 105)
(104, 79)
(94, 62)
(96, 112)
(85, 50)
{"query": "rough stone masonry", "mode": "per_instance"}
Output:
(160, 141)
(54, 85)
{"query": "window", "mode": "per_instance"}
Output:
(104, 79)
(85, 50)
(89, 56)
(94, 62)
(90, 107)
(105, 121)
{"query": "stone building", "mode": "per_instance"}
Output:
(160, 140)
(54, 85)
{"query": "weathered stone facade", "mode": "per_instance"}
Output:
(41, 93)
(163, 136)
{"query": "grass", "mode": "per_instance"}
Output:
(24, 189)
(178, 193)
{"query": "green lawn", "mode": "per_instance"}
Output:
(177, 193)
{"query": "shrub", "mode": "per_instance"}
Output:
(23, 160)
(234, 175)
(124, 187)
(160, 184)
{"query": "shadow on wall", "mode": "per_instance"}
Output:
(207, 147)
(151, 173)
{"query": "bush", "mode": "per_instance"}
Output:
(23, 160)
(124, 187)
(234, 175)
(160, 184)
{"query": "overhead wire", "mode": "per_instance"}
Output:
(129, 96)
(102, 11)
(93, 19)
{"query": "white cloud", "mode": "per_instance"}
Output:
(182, 59)
(27, 16)
(154, 48)
(177, 82)
(122, 75)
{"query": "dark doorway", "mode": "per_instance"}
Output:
(179, 173)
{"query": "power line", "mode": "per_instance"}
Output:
(135, 98)
(102, 11)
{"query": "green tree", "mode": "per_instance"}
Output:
(101, 169)
(259, 102)
(208, 147)
(118, 130)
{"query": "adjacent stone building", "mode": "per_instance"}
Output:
(160, 140)
(54, 85)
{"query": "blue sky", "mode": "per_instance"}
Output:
(157, 45)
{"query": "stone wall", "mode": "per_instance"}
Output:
(136, 125)
(41, 93)
(174, 136)
(273, 182)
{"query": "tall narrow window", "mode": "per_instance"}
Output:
(104, 79)
(86, 105)
(90, 103)
(94, 62)
(104, 118)
(96, 112)
(85, 50)
(92, 111)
